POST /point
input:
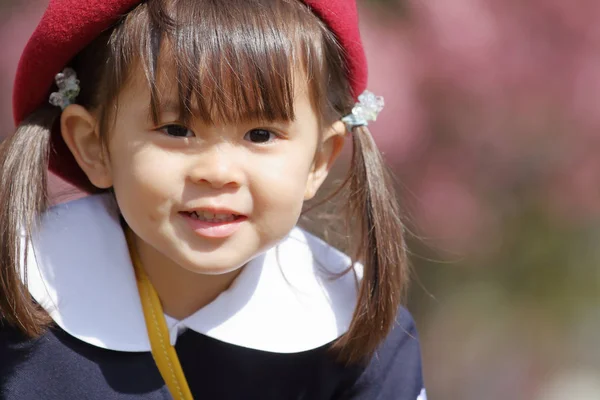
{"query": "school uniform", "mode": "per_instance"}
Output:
(266, 337)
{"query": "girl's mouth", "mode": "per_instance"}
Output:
(208, 216)
(213, 224)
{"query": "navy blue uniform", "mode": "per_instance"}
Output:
(58, 366)
(266, 337)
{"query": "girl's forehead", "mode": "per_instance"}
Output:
(202, 97)
(227, 66)
(231, 95)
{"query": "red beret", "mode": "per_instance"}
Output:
(68, 26)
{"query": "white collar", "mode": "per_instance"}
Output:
(283, 301)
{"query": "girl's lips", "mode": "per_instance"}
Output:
(213, 229)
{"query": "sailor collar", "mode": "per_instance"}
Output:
(286, 300)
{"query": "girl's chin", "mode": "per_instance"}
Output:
(214, 270)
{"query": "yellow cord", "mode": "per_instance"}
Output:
(163, 353)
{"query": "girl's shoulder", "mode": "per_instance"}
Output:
(57, 366)
(395, 370)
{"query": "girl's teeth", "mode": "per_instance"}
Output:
(211, 217)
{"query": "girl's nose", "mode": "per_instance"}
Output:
(218, 166)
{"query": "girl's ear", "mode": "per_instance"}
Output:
(79, 130)
(331, 145)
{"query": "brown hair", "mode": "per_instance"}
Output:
(235, 60)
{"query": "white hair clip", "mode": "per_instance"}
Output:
(365, 110)
(68, 88)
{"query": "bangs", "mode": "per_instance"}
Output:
(228, 60)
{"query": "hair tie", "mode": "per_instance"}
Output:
(68, 88)
(366, 109)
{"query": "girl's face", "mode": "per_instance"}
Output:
(207, 197)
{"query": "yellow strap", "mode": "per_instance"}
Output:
(164, 354)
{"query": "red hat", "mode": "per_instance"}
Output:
(68, 26)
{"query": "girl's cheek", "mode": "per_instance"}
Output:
(147, 172)
(282, 184)
(287, 169)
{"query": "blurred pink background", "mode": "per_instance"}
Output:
(492, 127)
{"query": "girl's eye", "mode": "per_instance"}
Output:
(177, 131)
(260, 136)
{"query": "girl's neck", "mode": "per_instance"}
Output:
(181, 292)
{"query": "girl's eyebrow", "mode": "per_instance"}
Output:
(169, 106)
(172, 107)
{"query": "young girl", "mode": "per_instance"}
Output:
(199, 128)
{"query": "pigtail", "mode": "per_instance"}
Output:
(23, 198)
(379, 245)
